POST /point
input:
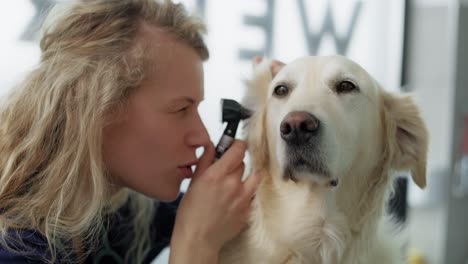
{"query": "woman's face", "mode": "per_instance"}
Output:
(151, 146)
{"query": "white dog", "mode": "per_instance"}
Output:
(328, 140)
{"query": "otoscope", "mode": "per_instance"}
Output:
(232, 113)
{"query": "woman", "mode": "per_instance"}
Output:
(105, 125)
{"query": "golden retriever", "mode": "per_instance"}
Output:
(329, 141)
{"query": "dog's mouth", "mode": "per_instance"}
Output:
(300, 164)
(302, 135)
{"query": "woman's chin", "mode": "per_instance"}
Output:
(169, 198)
(168, 195)
(162, 192)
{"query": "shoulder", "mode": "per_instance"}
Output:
(119, 232)
(20, 257)
(26, 246)
(162, 226)
(165, 216)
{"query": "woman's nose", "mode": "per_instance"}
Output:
(199, 135)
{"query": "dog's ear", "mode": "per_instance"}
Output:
(257, 87)
(407, 136)
(276, 66)
(256, 99)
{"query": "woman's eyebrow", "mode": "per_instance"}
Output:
(184, 99)
(188, 99)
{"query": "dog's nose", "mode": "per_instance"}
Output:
(299, 127)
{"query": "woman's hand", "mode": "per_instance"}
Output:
(215, 207)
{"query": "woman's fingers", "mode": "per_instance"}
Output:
(231, 159)
(205, 160)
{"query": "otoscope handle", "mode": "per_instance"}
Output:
(227, 139)
(224, 143)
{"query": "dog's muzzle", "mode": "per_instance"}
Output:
(301, 133)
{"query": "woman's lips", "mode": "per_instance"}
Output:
(186, 169)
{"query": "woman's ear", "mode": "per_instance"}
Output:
(407, 136)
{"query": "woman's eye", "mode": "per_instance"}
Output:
(345, 87)
(281, 90)
(183, 109)
(180, 110)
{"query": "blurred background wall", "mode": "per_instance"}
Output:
(437, 73)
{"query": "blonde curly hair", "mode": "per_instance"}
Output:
(52, 176)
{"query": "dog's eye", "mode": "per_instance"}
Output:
(281, 90)
(345, 87)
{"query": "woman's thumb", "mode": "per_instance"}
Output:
(206, 159)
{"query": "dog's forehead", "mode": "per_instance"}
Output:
(322, 66)
(326, 69)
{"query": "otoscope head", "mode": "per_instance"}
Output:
(233, 111)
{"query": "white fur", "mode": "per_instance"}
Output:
(367, 136)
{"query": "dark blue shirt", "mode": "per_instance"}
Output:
(114, 243)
